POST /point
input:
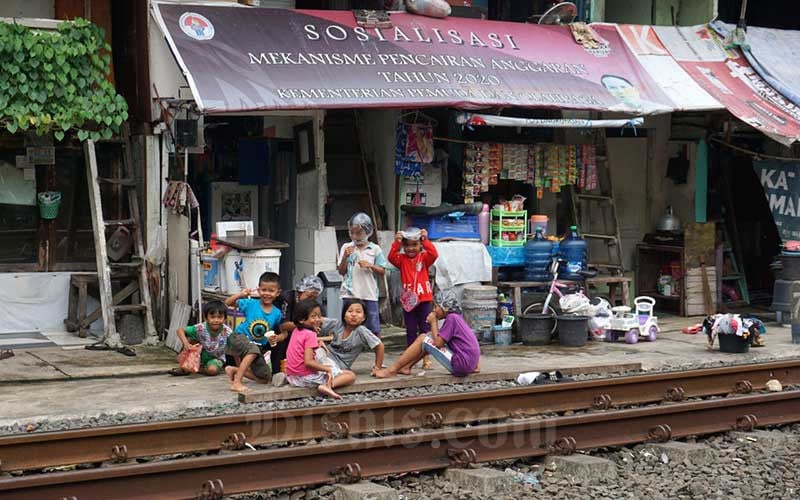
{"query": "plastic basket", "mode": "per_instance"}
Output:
(465, 226)
(49, 203)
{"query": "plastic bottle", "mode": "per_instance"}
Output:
(483, 224)
(573, 250)
(538, 256)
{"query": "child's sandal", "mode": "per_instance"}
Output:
(177, 372)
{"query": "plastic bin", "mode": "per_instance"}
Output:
(573, 330)
(536, 329)
(444, 226)
(502, 335)
(243, 269)
(733, 343)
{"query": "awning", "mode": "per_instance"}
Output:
(684, 93)
(238, 59)
(727, 76)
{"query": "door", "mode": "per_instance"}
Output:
(284, 206)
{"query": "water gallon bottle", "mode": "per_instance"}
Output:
(483, 224)
(573, 250)
(538, 255)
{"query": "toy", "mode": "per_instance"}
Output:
(641, 324)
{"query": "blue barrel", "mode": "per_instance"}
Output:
(538, 256)
(573, 250)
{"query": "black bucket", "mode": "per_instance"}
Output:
(536, 329)
(733, 343)
(573, 330)
(791, 267)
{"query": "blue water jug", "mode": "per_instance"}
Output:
(573, 251)
(538, 256)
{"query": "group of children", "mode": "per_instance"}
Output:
(282, 337)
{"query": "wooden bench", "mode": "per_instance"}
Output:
(618, 288)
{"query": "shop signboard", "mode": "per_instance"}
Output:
(239, 60)
(781, 182)
(727, 76)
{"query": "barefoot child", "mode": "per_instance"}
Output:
(305, 366)
(360, 262)
(418, 255)
(454, 346)
(212, 335)
(256, 334)
(309, 287)
(350, 337)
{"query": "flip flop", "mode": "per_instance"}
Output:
(542, 379)
(177, 372)
(127, 351)
(5, 354)
(97, 346)
(557, 376)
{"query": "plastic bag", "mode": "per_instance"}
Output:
(157, 249)
(189, 358)
(409, 300)
(575, 304)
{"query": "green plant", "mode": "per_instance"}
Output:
(55, 81)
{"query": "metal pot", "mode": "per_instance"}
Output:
(669, 223)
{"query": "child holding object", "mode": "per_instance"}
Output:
(454, 346)
(307, 362)
(251, 341)
(361, 262)
(418, 255)
(212, 335)
(350, 337)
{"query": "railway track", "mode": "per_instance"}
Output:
(438, 443)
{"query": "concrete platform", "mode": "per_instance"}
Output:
(65, 382)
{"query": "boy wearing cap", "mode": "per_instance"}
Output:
(360, 263)
(417, 257)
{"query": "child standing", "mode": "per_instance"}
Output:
(418, 255)
(256, 334)
(360, 262)
(306, 366)
(212, 335)
(350, 337)
(454, 346)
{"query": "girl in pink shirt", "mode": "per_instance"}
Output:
(307, 361)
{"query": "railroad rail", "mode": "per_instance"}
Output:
(350, 459)
(233, 432)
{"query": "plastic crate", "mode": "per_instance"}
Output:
(507, 243)
(443, 226)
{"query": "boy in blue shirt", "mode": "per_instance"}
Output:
(256, 334)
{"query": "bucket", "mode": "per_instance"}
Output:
(573, 330)
(487, 334)
(480, 314)
(473, 293)
(733, 343)
(502, 335)
(49, 202)
(536, 329)
(243, 269)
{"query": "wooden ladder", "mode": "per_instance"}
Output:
(133, 295)
(736, 275)
(584, 204)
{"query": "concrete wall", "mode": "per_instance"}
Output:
(42, 9)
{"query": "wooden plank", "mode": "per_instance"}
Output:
(696, 301)
(110, 335)
(700, 243)
(370, 384)
(180, 317)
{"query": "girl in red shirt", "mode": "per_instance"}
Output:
(417, 299)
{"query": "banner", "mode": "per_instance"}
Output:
(727, 76)
(781, 182)
(239, 59)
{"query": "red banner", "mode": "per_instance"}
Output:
(726, 75)
(239, 59)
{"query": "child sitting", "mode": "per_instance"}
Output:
(418, 255)
(212, 335)
(255, 335)
(359, 262)
(350, 337)
(454, 346)
(307, 363)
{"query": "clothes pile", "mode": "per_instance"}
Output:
(749, 328)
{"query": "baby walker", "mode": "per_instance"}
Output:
(641, 324)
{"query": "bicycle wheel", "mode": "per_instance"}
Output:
(537, 308)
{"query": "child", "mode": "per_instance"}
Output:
(359, 262)
(454, 346)
(309, 287)
(306, 366)
(212, 335)
(417, 300)
(256, 334)
(350, 337)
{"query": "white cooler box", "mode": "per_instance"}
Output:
(242, 269)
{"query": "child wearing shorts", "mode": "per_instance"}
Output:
(307, 362)
(212, 334)
(454, 345)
